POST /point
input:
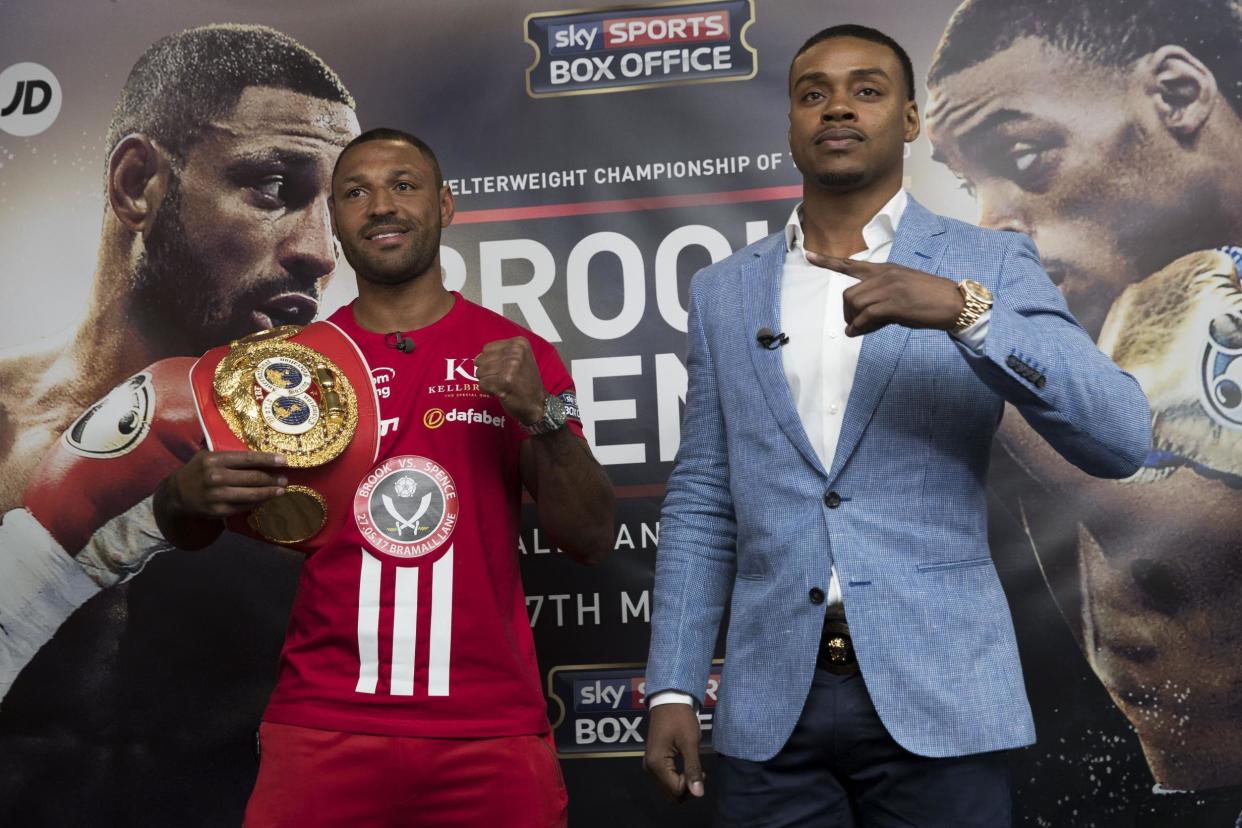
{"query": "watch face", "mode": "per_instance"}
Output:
(976, 291)
(554, 410)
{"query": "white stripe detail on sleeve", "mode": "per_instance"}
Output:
(441, 625)
(404, 631)
(368, 623)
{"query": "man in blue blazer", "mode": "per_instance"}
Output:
(846, 377)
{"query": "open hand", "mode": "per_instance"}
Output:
(216, 484)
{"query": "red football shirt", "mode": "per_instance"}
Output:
(412, 620)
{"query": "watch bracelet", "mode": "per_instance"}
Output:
(972, 309)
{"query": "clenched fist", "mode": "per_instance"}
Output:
(672, 733)
(507, 370)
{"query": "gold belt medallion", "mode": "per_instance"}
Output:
(291, 518)
(283, 397)
(280, 396)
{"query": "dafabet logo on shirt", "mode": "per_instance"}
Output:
(436, 417)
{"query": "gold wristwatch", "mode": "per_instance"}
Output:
(978, 301)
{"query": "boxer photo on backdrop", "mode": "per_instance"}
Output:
(215, 225)
(1110, 132)
(866, 351)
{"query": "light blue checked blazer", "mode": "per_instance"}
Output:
(746, 524)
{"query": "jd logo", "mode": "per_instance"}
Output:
(30, 97)
(31, 89)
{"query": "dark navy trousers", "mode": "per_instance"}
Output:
(842, 769)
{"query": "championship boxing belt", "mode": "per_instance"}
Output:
(305, 393)
(1179, 332)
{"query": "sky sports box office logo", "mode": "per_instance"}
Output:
(637, 47)
(599, 710)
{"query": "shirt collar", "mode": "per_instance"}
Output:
(881, 230)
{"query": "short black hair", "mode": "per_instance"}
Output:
(862, 33)
(1112, 33)
(185, 80)
(389, 134)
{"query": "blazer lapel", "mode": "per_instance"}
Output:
(761, 279)
(919, 244)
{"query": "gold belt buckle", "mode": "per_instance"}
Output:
(838, 650)
(283, 397)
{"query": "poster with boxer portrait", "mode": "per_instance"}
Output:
(600, 154)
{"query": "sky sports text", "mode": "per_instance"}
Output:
(587, 52)
(598, 695)
(620, 33)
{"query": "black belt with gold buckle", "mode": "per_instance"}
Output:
(836, 649)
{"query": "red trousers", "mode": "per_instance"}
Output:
(319, 778)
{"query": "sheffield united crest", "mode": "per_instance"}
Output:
(407, 507)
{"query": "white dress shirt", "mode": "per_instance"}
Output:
(819, 360)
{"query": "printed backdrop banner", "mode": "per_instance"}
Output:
(600, 156)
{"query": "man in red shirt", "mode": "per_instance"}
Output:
(408, 691)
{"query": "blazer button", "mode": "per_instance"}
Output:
(817, 595)
(832, 500)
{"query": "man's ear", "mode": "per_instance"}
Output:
(138, 175)
(1182, 90)
(447, 206)
(914, 124)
